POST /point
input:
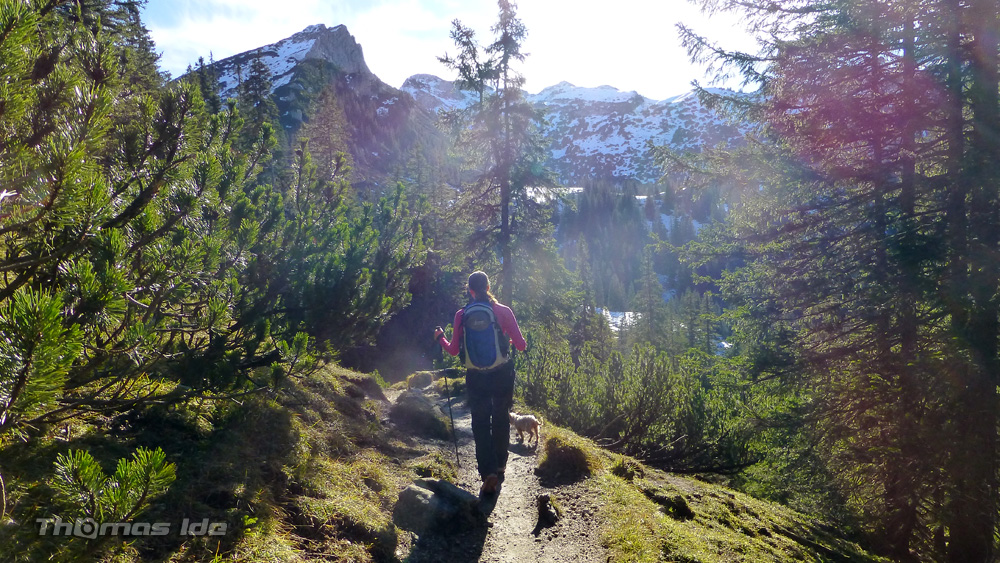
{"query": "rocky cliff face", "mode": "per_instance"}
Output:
(384, 125)
(332, 45)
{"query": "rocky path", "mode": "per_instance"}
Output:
(512, 533)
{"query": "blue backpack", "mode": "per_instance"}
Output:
(483, 344)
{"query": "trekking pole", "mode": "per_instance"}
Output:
(454, 435)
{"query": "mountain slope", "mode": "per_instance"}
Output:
(334, 45)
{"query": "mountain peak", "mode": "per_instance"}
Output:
(332, 44)
(336, 45)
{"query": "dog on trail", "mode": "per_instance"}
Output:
(525, 423)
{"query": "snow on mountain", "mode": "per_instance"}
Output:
(435, 94)
(600, 132)
(566, 92)
(332, 44)
(384, 125)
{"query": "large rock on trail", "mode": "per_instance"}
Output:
(436, 505)
(420, 416)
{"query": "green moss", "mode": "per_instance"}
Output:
(434, 465)
(445, 385)
(567, 458)
(627, 468)
(691, 521)
(631, 527)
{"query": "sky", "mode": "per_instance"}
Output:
(632, 45)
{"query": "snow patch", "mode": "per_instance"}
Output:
(545, 195)
(279, 58)
(619, 319)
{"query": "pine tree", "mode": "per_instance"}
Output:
(256, 103)
(327, 135)
(143, 257)
(649, 208)
(82, 484)
(504, 129)
(340, 267)
(208, 84)
(650, 305)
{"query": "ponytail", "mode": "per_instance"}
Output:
(479, 282)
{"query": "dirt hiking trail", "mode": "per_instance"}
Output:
(512, 533)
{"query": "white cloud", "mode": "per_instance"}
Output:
(628, 44)
(406, 37)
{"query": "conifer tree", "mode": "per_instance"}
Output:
(341, 266)
(327, 135)
(208, 84)
(650, 305)
(254, 94)
(504, 128)
(872, 231)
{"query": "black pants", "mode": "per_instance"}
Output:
(491, 395)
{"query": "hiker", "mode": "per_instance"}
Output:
(484, 340)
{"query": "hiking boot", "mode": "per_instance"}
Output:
(489, 484)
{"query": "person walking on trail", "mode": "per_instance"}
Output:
(482, 332)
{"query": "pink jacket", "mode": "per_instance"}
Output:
(506, 320)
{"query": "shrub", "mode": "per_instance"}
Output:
(83, 485)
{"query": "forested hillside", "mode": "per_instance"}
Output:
(813, 311)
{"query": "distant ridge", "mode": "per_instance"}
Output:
(597, 132)
(601, 132)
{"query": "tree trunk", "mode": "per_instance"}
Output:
(902, 497)
(507, 269)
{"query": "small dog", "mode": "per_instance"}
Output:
(525, 423)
